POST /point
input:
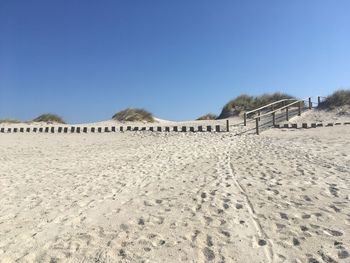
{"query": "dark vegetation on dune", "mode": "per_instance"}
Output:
(246, 103)
(337, 99)
(49, 117)
(131, 114)
(209, 116)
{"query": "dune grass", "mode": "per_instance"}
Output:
(49, 117)
(245, 103)
(209, 116)
(133, 114)
(337, 99)
(9, 121)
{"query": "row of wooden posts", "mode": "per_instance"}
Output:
(73, 129)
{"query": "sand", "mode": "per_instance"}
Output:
(283, 196)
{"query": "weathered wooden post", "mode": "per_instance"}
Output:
(151, 129)
(128, 128)
(259, 114)
(21, 129)
(136, 128)
(99, 129)
(52, 129)
(65, 130)
(72, 129)
(167, 129)
(245, 119)
(209, 128)
(183, 129)
(159, 129)
(175, 129)
(106, 129)
(85, 130)
(191, 129)
(9, 130)
(47, 129)
(41, 129)
(273, 119)
(257, 125)
(121, 128)
(59, 129)
(28, 129)
(310, 103)
(227, 125)
(92, 129)
(34, 129)
(143, 128)
(319, 100)
(217, 128)
(299, 108)
(287, 114)
(78, 129)
(113, 128)
(200, 128)
(2, 130)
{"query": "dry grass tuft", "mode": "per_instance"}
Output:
(49, 117)
(209, 116)
(131, 114)
(337, 99)
(245, 103)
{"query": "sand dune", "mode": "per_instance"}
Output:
(176, 197)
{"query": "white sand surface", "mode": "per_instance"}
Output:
(176, 197)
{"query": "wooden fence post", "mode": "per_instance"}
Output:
(310, 103)
(217, 128)
(227, 125)
(299, 108)
(274, 118)
(245, 119)
(208, 128)
(257, 125)
(175, 129)
(319, 100)
(200, 128)
(259, 114)
(287, 114)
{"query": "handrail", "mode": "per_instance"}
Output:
(273, 103)
(268, 105)
(282, 108)
(299, 102)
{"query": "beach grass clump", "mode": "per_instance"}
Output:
(50, 118)
(133, 114)
(337, 99)
(209, 116)
(246, 103)
(10, 121)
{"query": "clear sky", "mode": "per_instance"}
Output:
(86, 60)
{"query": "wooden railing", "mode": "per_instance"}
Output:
(258, 110)
(298, 103)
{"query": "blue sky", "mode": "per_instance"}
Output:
(86, 60)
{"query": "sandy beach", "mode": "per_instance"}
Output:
(283, 196)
